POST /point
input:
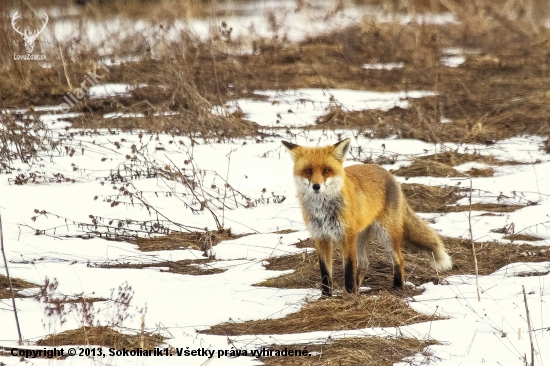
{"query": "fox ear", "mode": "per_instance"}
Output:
(291, 149)
(341, 149)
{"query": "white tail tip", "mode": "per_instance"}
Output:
(443, 262)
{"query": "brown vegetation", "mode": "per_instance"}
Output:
(490, 257)
(510, 58)
(194, 267)
(182, 240)
(365, 351)
(102, 336)
(344, 313)
(18, 285)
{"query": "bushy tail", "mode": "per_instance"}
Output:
(420, 236)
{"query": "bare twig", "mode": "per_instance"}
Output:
(9, 281)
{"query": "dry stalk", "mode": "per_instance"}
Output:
(529, 327)
(472, 241)
(142, 335)
(9, 280)
(64, 67)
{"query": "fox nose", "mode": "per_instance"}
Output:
(316, 187)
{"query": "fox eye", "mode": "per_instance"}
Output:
(308, 171)
(326, 171)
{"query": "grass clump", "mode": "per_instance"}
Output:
(17, 283)
(367, 351)
(345, 313)
(102, 336)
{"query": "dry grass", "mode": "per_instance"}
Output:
(345, 313)
(194, 75)
(181, 240)
(490, 256)
(18, 285)
(441, 165)
(419, 168)
(193, 267)
(521, 237)
(423, 198)
(102, 336)
(365, 351)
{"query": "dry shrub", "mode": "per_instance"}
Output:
(18, 285)
(365, 351)
(346, 313)
(102, 336)
(24, 140)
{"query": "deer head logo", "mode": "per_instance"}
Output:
(28, 36)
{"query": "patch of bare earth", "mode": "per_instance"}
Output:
(102, 336)
(17, 283)
(338, 313)
(366, 351)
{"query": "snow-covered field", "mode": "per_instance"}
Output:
(493, 331)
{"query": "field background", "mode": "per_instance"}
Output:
(156, 208)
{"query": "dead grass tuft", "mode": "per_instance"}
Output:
(345, 313)
(18, 285)
(441, 165)
(193, 267)
(490, 256)
(423, 198)
(181, 240)
(523, 237)
(419, 168)
(102, 336)
(366, 351)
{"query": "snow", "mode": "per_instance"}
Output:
(297, 108)
(386, 66)
(109, 90)
(474, 333)
(453, 61)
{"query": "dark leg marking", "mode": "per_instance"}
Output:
(397, 279)
(349, 276)
(326, 281)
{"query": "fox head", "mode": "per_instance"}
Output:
(319, 170)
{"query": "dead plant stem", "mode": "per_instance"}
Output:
(9, 281)
(472, 241)
(529, 327)
(64, 67)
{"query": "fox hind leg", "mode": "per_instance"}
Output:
(324, 253)
(393, 242)
(363, 240)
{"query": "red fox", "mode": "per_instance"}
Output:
(352, 205)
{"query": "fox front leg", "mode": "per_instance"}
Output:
(349, 259)
(324, 253)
